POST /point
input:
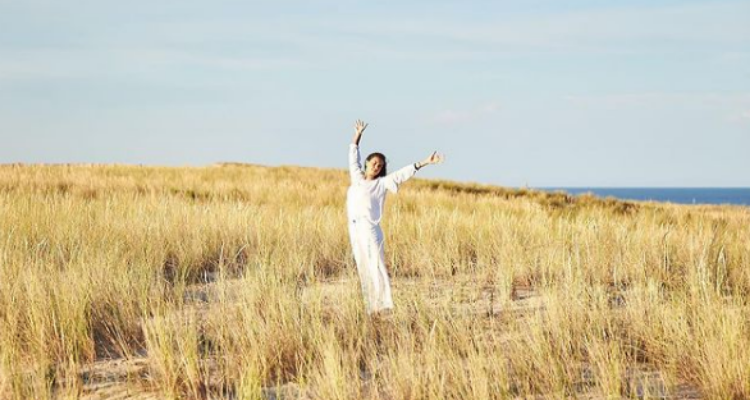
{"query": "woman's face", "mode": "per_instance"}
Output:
(373, 167)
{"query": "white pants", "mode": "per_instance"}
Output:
(367, 246)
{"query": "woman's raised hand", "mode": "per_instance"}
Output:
(359, 127)
(434, 158)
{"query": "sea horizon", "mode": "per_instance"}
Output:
(679, 195)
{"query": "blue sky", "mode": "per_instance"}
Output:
(586, 93)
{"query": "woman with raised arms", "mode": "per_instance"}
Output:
(364, 201)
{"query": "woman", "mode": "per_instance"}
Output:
(364, 202)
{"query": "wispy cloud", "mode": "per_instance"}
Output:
(741, 116)
(233, 43)
(725, 107)
(657, 98)
(463, 116)
(145, 62)
(615, 29)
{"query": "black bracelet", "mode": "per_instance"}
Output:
(416, 167)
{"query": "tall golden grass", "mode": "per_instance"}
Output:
(237, 281)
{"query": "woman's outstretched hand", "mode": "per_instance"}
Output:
(359, 127)
(434, 158)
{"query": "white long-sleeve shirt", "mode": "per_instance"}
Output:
(366, 198)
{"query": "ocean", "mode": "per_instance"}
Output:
(735, 196)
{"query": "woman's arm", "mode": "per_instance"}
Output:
(433, 158)
(355, 161)
(394, 180)
(359, 128)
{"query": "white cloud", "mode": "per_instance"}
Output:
(146, 62)
(614, 30)
(455, 117)
(725, 107)
(235, 43)
(661, 98)
(741, 116)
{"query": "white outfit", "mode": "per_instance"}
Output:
(364, 203)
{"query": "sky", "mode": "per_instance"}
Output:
(527, 93)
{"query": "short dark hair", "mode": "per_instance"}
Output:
(384, 170)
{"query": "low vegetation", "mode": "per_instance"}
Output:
(237, 281)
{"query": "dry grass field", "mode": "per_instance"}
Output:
(237, 282)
